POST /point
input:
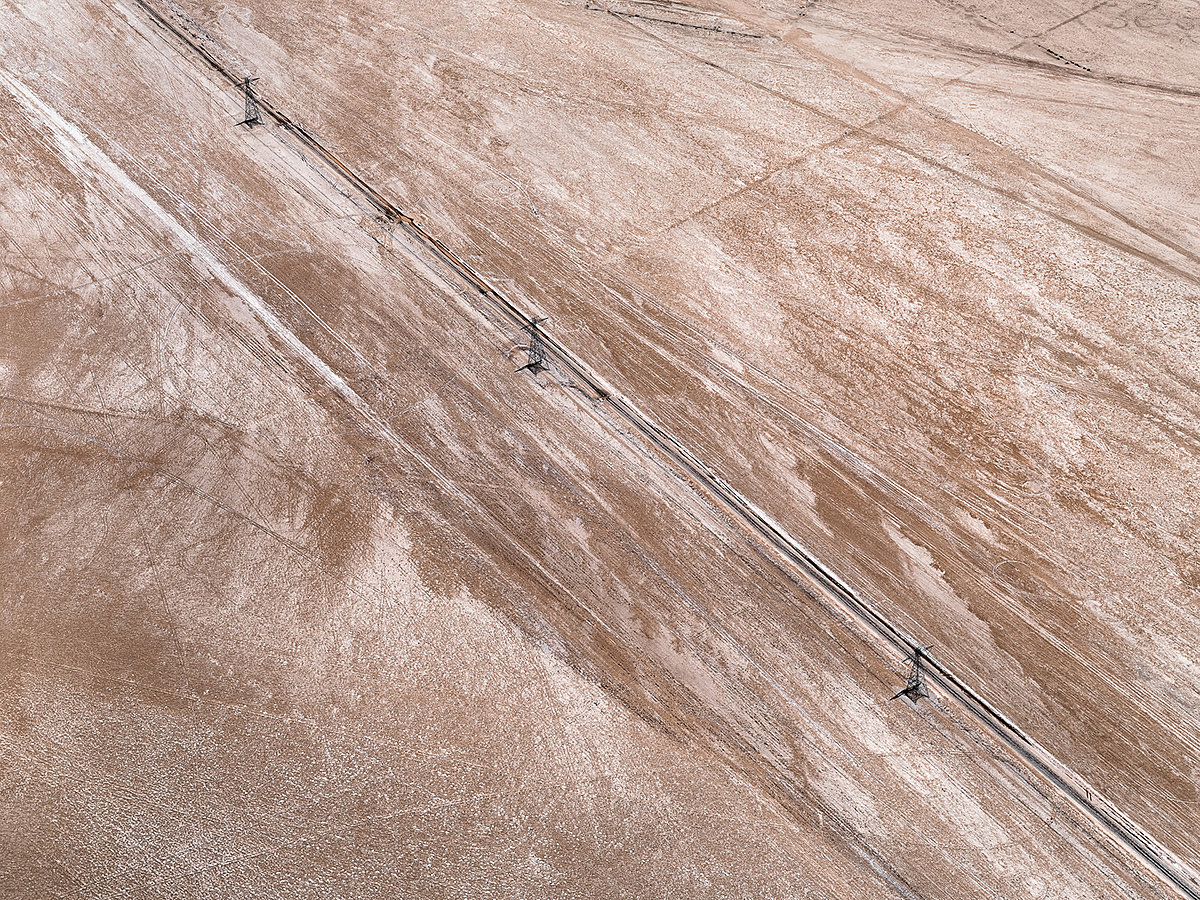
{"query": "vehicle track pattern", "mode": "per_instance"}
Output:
(833, 592)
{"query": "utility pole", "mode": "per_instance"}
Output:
(536, 350)
(252, 114)
(915, 687)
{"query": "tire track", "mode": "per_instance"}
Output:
(835, 594)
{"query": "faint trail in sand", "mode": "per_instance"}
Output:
(86, 158)
(865, 131)
(859, 613)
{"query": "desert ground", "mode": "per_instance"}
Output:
(868, 326)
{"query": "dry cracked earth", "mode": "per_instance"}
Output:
(306, 592)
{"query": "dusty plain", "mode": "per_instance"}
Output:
(305, 593)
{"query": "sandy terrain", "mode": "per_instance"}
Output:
(307, 593)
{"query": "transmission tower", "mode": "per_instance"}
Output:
(536, 349)
(915, 687)
(252, 114)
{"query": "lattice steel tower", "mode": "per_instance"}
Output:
(252, 113)
(915, 687)
(536, 348)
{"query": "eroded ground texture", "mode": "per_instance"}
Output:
(304, 592)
